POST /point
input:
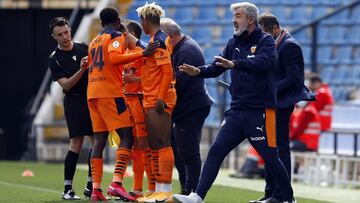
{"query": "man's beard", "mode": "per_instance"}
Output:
(239, 31)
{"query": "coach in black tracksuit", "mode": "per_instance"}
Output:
(290, 90)
(250, 56)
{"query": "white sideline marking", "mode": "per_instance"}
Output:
(29, 187)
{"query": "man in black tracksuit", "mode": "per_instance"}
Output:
(250, 55)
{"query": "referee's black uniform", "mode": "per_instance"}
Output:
(65, 64)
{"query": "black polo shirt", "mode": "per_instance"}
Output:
(67, 63)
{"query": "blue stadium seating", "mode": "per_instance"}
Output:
(318, 11)
(343, 55)
(355, 15)
(291, 2)
(202, 35)
(340, 18)
(356, 58)
(183, 15)
(338, 54)
(210, 53)
(324, 54)
(207, 15)
(296, 16)
(307, 54)
(341, 74)
(353, 35)
(311, 2)
(336, 35)
(327, 74)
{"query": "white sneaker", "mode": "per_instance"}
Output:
(70, 195)
(191, 198)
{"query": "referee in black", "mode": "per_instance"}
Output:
(68, 64)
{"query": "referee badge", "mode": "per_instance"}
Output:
(253, 49)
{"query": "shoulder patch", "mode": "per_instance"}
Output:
(160, 36)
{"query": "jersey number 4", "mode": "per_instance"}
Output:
(97, 58)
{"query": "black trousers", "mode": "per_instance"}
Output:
(185, 140)
(283, 143)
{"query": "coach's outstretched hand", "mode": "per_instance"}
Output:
(220, 61)
(189, 69)
(150, 49)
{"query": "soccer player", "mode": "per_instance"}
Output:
(158, 84)
(141, 152)
(192, 106)
(106, 100)
(68, 67)
(251, 57)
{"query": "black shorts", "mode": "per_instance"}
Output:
(77, 115)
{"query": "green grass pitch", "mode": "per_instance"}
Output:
(47, 185)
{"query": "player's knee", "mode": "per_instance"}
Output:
(76, 144)
(126, 137)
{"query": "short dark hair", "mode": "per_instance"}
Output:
(133, 26)
(267, 21)
(109, 15)
(315, 79)
(155, 20)
(58, 21)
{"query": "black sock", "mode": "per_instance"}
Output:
(70, 166)
(89, 181)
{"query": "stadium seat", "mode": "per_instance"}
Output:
(311, 2)
(132, 14)
(210, 53)
(226, 33)
(278, 11)
(302, 37)
(207, 14)
(291, 2)
(306, 54)
(353, 35)
(332, 2)
(202, 35)
(322, 35)
(343, 55)
(336, 35)
(296, 16)
(341, 74)
(324, 54)
(356, 58)
(340, 18)
(327, 74)
(318, 12)
(183, 15)
(355, 15)
(354, 78)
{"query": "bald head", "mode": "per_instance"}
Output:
(170, 27)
